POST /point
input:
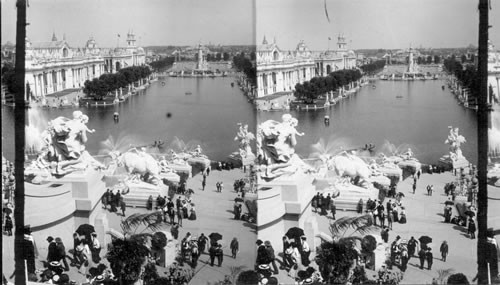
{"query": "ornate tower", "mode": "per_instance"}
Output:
(130, 40)
(341, 43)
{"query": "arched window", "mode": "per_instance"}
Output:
(65, 52)
(276, 55)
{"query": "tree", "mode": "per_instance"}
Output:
(226, 56)
(463, 58)
(336, 258)
(429, 59)
(218, 56)
(437, 59)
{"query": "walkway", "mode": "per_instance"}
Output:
(214, 211)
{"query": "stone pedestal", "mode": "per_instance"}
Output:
(57, 206)
(449, 163)
(284, 203)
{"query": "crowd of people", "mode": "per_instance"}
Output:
(296, 261)
(114, 201)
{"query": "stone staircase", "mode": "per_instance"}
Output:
(349, 198)
(140, 192)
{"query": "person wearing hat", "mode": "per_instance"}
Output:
(444, 250)
(271, 255)
(8, 225)
(202, 242)
(305, 252)
(220, 254)
(262, 256)
(429, 257)
(235, 247)
(95, 248)
(52, 250)
(30, 251)
(195, 254)
(99, 279)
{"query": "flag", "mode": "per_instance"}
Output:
(329, 38)
(118, 35)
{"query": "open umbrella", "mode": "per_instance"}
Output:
(294, 233)
(470, 213)
(215, 236)
(400, 194)
(85, 230)
(449, 203)
(238, 199)
(425, 239)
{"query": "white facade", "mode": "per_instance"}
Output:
(280, 71)
(494, 71)
(55, 66)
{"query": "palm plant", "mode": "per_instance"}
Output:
(129, 253)
(234, 271)
(336, 259)
(443, 275)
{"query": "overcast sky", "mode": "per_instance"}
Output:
(366, 23)
(155, 22)
(374, 23)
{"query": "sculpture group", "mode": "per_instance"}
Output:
(64, 145)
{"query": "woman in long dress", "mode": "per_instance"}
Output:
(192, 215)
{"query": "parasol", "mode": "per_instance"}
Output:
(215, 236)
(238, 199)
(7, 210)
(470, 213)
(425, 239)
(294, 233)
(449, 203)
(400, 194)
(85, 230)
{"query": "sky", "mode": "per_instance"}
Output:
(388, 24)
(365, 23)
(155, 22)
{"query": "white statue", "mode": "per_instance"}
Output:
(138, 163)
(276, 145)
(65, 144)
(278, 139)
(245, 137)
(455, 140)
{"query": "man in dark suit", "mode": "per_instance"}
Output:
(61, 252)
(52, 254)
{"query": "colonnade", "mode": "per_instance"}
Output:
(270, 82)
(57, 79)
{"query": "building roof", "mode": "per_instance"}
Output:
(48, 45)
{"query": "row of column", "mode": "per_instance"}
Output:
(52, 81)
(272, 82)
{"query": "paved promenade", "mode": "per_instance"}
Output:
(425, 217)
(214, 214)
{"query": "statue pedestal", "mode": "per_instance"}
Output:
(449, 163)
(60, 205)
(346, 195)
(285, 202)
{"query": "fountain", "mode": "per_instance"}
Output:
(285, 182)
(63, 184)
